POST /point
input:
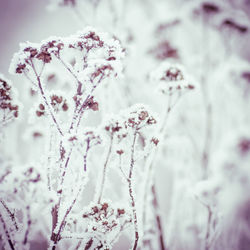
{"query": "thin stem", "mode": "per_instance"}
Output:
(158, 218)
(120, 167)
(25, 240)
(45, 99)
(7, 233)
(132, 199)
(69, 70)
(209, 219)
(12, 215)
(149, 176)
(105, 169)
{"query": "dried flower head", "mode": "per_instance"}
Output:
(96, 56)
(138, 116)
(104, 219)
(9, 110)
(172, 78)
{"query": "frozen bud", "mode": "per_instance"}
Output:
(41, 107)
(37, 134)
(59, 103)
(93, 104)
(73, 138)
(104, 219)
(20, 68)
(143, 115)
(39, 113)
(120, 152)
(112, 125)
(155, 141)
(138, 116)
(65, 106)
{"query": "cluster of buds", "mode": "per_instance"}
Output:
(105, 218)
(9, 110)
(57, 102)
(24, 60)
(139, 117)
(90, 137)
(172, 78)
(87, 42)
(136, 117)
(92, 104)
(113, 126)
(99, 55)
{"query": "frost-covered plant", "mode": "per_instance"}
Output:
(8, 104)
(124, 132)
(89, 58)
(189, 192)
(172, 78)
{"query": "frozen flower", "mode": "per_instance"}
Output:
(171, 78)
(95, 52)
(105, 221)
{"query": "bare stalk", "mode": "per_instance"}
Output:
(104, 172)
(7, 233)
(131, 194)
(208, 233)
(25, 240)
(12, 215)
(157, 216)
